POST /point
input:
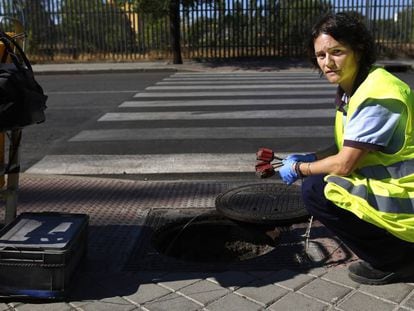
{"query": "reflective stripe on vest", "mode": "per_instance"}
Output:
(395, 171)
(380, 203)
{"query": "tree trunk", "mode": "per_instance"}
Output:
(175, 31)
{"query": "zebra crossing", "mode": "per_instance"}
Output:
(204, 122)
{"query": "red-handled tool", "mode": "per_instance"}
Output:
(265, 167)
(267, 155)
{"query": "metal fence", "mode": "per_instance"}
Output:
(82, 30)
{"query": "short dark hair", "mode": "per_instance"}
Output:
(347, 29)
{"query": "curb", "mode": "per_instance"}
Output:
(100, 71)
(66, 69)
(99, 68)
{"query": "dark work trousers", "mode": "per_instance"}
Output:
(368, 242)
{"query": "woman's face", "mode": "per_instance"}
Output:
(338, 62)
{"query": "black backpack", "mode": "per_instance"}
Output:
(22, 101)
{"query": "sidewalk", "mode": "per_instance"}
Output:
(187, 66)
(112, 279)
(276, 65)
(116, 277)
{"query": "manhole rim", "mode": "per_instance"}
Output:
(293, 216)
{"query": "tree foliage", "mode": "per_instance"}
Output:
(161, 8)
(299, 16)
(39, 25)
(101, 27)
(282, 25)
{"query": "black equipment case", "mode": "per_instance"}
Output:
(39, 253)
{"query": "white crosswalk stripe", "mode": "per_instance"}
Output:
(234, 93)
(232, 81)
(203, 115)
(254, 74)
(249, 86)
(203, 123)
(226, 102)
(201, 133)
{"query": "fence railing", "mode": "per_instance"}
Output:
(82, 30)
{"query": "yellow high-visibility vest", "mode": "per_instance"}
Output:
(381, 189)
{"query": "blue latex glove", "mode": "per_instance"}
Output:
(287, 171)
(309, 157)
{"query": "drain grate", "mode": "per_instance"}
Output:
(263, 203)
(288, 252)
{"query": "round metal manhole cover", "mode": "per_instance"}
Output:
(263, 203)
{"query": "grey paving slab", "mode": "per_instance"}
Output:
(290, 279)
(262, 292)
(178, 280)
(392, 292)
(340, 275)
(4, 307)
(204, 291)
(146, 293)
(109, 304)
(409, 301)
(51, 306)
(369, 303)
(232, 279)
(295, 302)
(233, 302)
(318, 271)
(149, 276)
(326, 291)
(172, 302)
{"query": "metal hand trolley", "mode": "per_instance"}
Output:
(10, 158)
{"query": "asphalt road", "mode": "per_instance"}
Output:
(76, 102)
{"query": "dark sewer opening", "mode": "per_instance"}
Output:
(213, 238)
(284, 250)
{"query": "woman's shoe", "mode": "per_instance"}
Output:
(362, 272)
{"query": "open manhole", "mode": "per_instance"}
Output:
(201, 239)
(213, 238)
(266, 203)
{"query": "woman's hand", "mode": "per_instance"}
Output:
(288, 172)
